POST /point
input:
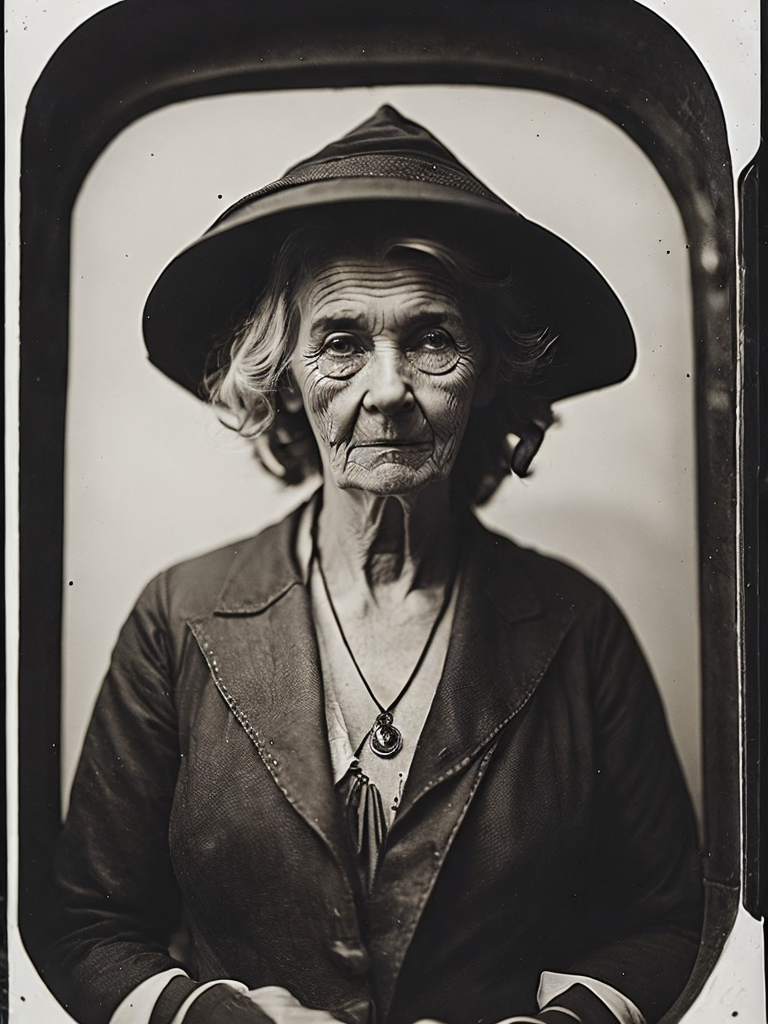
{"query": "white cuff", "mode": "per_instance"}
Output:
(524, 1019)
(138, 1005)
(182, 1010)
(553, 985)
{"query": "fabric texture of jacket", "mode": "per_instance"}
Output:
(544, 825)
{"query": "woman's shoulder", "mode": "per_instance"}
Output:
(551, 581)
(238, 576)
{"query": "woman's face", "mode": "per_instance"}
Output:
(387, 368)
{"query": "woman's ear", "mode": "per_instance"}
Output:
(290, 396)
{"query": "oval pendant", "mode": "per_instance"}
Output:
(385, 739)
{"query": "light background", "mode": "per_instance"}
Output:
(151, 477)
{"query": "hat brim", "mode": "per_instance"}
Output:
(206, 291)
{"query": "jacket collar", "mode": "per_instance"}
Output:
(502, 643)
(266, 567)
(263, 570)
(262, 652)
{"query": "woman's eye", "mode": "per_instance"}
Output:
(341, 356)
(436, 340)
(341, 345)
(434, 351)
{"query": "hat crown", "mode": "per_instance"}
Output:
(384, 164)
(387, 131)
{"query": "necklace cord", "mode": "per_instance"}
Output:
(419, 662)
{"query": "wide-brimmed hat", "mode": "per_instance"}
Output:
(206, 291)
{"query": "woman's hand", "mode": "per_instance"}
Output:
(224, 1004)
(524, 1019)
(554, 1015)
(284, 1008)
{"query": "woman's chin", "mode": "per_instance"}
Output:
(388, 479)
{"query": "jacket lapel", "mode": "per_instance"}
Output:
(502, 644)
(261, 650)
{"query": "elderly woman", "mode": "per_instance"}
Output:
(377, 764)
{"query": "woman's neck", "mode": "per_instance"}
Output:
(389, 545)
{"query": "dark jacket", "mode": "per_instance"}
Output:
(544, 825)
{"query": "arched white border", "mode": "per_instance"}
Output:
(724, 34)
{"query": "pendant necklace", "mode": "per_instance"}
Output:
(384, 738)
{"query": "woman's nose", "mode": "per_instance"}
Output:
(388, 386)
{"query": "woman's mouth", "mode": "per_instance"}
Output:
(375, 452)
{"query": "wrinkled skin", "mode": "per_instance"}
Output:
(387, 368)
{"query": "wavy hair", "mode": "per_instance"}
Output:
(251, 369)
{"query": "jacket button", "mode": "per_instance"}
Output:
(351, 956)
